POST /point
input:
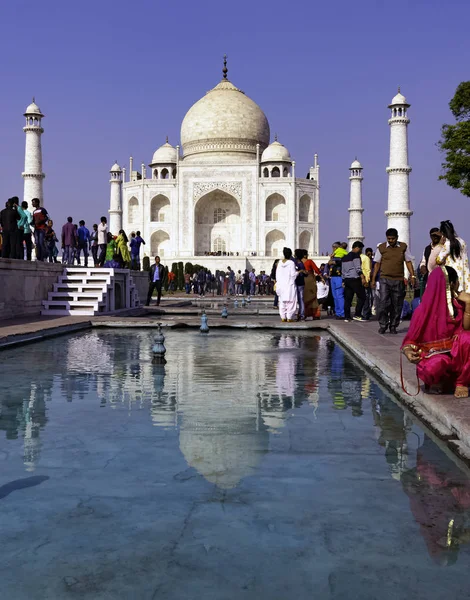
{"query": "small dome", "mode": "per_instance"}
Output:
(115, 168)
(398, 99)
(276, 152)
(165, 154)
(33, 109)
(356, 164)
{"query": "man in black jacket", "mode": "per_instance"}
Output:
(9, 218)
(155, 280)
(435, 236)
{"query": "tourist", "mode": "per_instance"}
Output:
(156, 274)
(69, 241)
(136, 243)
(451, 252)
(438, 340)
(94, 244)
(111, 258)
(40, 218)
(390, 258)
(286, 274)
(354, 281)
(123, 249)
(252, 277)
(323, 291)
(102, 240)
(201, 280)
(83, 242)
(246, 282)
(9, 218)
(366, 265)
(435, 236)
(231, 282)
(171, 282)
(187, 283)
(336, 281)
(50, 240)
(239, 283)
(273, 279)
(24, 226)
(300, 283)
(310, 298)
(195, 283)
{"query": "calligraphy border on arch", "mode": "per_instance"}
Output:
(234, 188)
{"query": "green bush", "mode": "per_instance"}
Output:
(165, 278)
(146, 263)
(189, 268)
(180, 276)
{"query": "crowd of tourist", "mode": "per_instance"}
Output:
(21, 230)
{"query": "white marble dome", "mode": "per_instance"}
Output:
(224, 122)
(164, 155)
(355, 164)
(398, 99)
(276, 152)
(115, 168)
(33, 109)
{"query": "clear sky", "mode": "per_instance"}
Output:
(114, 78)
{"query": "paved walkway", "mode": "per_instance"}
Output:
(447, 416)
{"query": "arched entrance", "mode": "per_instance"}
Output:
(275, 241)
(275, 208)
(306, 209)
(160, 244)
(305, 241)
(160, 209)
(217, 224)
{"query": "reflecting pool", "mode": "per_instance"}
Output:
(251, 465)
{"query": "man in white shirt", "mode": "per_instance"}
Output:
(102, 240)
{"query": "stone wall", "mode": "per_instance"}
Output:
(141, 280)
(24, 285)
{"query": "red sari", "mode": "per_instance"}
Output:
(437, 330)
(310, 289)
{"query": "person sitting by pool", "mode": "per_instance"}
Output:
(438, 340)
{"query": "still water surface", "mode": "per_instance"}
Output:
(251, 465)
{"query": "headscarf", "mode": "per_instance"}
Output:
(433, 320)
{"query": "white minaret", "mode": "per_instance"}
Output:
(115, 205)
(32, 173)
(355, 204)
(399, 213)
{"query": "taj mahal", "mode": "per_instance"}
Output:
(226, 191)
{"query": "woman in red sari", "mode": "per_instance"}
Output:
(438, 340)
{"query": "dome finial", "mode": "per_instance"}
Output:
(275, 137)
(166, 140)
(34, 100)
(399, 91)
(225, 70)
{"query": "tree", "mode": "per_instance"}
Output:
(455, 142)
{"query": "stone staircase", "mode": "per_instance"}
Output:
(83, 291)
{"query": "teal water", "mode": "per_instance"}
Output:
(251, 465)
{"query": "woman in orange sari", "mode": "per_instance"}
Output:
(312, 308)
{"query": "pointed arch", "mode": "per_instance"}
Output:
(276, 208)
(305, 241)
(306, 209)
(132, 210)
(160, 243)
(160, 209)
(275, 241)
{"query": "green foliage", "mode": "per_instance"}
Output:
(189, 268)
(174, 268)
(455, 142)
(165, 278)
(180, 276)
(146, 263)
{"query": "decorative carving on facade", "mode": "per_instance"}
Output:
(234, 188)
(398, 169)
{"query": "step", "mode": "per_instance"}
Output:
(66, 296)
(84, 280)
(67, 313)
(71, 304)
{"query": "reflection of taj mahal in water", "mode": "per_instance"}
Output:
(226, 190)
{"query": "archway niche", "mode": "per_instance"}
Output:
(132, 210)
(305, 241)
(160, 209)
(164, 174)
(275, 172)
(276, 208)
(306, 209)
(160, 244)
(275, 242)
(217, 215)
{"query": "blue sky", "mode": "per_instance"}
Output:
(114, 78)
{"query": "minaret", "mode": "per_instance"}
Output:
(355, 204)
(115, 205)
(32, 173)
(399, 213)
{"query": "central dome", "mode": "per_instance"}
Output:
(225, 122)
